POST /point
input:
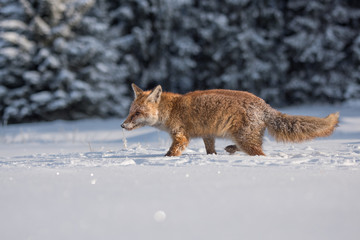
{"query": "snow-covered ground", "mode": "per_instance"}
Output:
(82, 180)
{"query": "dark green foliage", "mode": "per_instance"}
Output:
(76, 58)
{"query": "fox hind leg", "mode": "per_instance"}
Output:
(209, 145)
(249, 142)
(252, 150)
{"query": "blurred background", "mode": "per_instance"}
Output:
(73, 59)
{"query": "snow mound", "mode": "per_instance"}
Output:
(84, 179)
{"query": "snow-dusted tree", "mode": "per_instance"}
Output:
(187, 45)
(321, 46)
(240, 46)
(76, 58)
(16, 52)
(65, 68)
(153, 41)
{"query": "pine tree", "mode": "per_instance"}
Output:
(72, 59)
(320, 50)
(65, 69)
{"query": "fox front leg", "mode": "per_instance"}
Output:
(209, 145)
(180, 142)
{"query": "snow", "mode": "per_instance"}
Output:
(12, 24)
(84, 180)
(41, 97)
(18, 39)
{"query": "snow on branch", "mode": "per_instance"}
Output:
(54, 18)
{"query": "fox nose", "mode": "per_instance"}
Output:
(123, 125)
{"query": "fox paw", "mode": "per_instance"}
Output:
(231, 149)
(211, 152)
(171, 154)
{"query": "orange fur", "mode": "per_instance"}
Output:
(238, 115)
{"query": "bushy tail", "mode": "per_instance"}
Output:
(288, 128)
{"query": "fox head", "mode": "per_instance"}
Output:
(144, 108)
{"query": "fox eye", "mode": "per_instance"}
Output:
(137, 113)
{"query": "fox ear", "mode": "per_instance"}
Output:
(137, 90)
(155, 95)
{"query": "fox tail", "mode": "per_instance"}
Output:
(291, 128)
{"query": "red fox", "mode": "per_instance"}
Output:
(237, 115)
